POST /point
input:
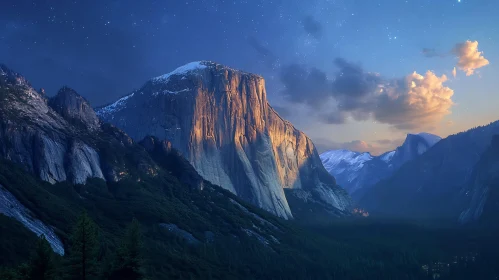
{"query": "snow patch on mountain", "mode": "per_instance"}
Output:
(182, 70)
(347, 158)
(171, 92)
(115, 107)
(387, 157)
(354, 170)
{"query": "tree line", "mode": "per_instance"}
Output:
(84, 259)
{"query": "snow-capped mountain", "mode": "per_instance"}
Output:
(221, 121)
(355, 171)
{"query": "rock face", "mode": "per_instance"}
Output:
(38, 138)
(414, 146)
(60, 142)
(74, 108)
(357, 172)
(436, 184)
(11, 207)
(220, 120)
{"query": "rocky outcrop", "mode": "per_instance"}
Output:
(11, 207)
(220, 120)
(74, 108)
(38, 138)
(413, 146)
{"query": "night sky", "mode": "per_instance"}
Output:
(356, 74)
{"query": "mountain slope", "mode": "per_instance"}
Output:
(481, 194)
(430, 186)
(191, 228)
(357, 172)
(220, 120)
(86, 165)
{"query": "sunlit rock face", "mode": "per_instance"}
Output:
(220, 120)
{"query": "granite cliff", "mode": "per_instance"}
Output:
(220, 120)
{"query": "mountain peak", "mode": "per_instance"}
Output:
(8, 76)
(183, 70)
(74, 108)
(197, 67)
(427, 138)
(65, 90)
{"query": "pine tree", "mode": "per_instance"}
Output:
(128, 261)
(84, 249)
(42, 265)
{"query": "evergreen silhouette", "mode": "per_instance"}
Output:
(42, 265)
(83, 253)
(128, 261)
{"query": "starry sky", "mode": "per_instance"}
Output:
(355, 74)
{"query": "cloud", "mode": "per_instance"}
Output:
(267, 55)
(415, 101)
(411, 102)
(334, 117)
(470, 58)
(383, 141)
(359, 146)
(312, 27)
(431, 53)
(352, 81)
(454, 72)
(377, 147)
(302, 85)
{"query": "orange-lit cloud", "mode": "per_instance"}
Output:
(412, 102)
(376, 147)
(415, 102)
(470, 58)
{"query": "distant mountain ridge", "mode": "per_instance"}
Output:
(356, 172)
(220, 120)
(481, 192)
(438, 184)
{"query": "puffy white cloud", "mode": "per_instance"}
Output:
(470, 58)
(416, 101)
